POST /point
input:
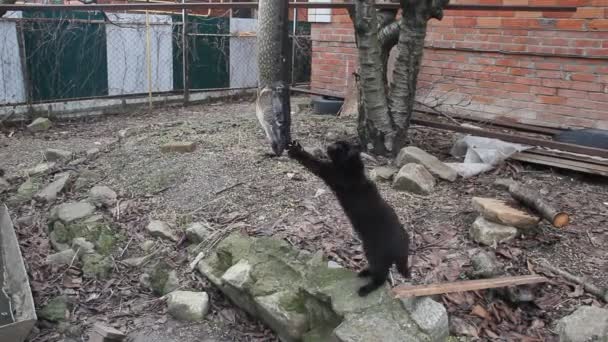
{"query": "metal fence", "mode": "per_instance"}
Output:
(49, 56)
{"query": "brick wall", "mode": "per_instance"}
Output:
(539, 68)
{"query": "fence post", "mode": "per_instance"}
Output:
(293, 46)
(27, 84)
(185, 58)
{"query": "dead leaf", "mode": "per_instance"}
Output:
(578, 291)
(459, 326)
(479, 311)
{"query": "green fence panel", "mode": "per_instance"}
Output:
(208, 53)
(66, 59)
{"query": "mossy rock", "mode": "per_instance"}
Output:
(100, 233)
(55, 310)
(96, 266)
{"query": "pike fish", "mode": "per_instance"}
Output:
(274, 114)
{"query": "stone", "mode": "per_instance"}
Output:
(197, 232)
(302, 297)
(179, 146)
(72, 211)
(413, 154)
(163, 279)
(135, 262)
(4, 185)
(50, 192)
(102, 196)
(85, 179)
(77, 161)
(104, 333)
(333, 264)
(382, 173)
(147, 245)
(54, 155)
(485, 265)
(41, 168)
(92, 153)
(414, 178)
(162, 230)
(26, 191)
(431, 316)
(489, 233)
(61, 258)
(56, 310)
(57, 245)
(587, 323)
(39, 125)
(188, 305)
(500, 212)
(96, 266)
(82, 246)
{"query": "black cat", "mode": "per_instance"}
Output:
(385, 242)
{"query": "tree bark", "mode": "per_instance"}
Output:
(413, 26)
(375, 124)
(385, 111)
(274, 56)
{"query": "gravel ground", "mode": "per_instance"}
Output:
(229, 178)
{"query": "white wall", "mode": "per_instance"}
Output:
(12, 88)
(126, 48)
(243, 54)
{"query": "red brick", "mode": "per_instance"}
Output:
(551, 99)
(572, 93)
(598, 25)
(579, 103)
(583, 77)
(465, 22)
(489, 22)
(589, 12)
(570, 24)
(585, 86)
(587, 43)
(549, 74)
(548, 66)
(599, 97)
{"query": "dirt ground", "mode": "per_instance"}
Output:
(230, 183)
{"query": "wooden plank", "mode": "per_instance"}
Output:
(568, 156)
(561, 163)
(407, 291)
(518, 139)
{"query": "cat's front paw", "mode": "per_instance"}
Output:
(294, 149)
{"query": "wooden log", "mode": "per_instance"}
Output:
(599, 292)
(532, 199)
(406, 291)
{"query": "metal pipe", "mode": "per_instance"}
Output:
(230, 5)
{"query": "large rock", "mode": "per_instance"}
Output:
(163, 279)
(61, 258)
(414, 178)
(587, 323)
(41, 168)
(198, 231)
(413, 154)
(102, 196)
(96, 266)
(431, 316)
(382, 173)
(51, 191)
(500, 212)
(56, 310)
(53, 154)
(72, 211)
(302, 299)
(161, 229)
(488, 233)
(40, 124)
(26, 191)
(82, 246)
(485, 265)
(187, 305)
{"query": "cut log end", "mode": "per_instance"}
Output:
(561, 220)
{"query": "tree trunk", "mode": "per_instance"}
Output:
(376, 127)
(384, 114)
(274, 55)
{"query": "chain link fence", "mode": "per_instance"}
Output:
(50, 56)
